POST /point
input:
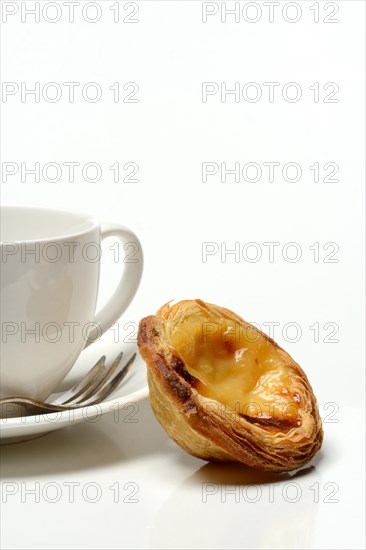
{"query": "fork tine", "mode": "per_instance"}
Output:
(102, 387)
(87, 381)
(112, 385)
(93, 389)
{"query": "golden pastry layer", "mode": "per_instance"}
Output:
(223, 390)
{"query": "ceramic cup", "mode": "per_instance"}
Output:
(50, 261)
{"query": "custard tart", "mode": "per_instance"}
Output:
(224, 391)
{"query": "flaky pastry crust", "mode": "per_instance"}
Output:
(207, 428)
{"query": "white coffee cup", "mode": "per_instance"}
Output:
(50, 262)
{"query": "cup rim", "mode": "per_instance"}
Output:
(94, 223)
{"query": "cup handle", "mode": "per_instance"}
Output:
(128, 285)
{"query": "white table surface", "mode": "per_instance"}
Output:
(183, 502)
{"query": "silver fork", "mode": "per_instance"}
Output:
(98, 384)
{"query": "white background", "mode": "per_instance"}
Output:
(169, 133)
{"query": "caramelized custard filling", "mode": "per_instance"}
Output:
(235, 365)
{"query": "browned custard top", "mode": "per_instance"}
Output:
(236, 365)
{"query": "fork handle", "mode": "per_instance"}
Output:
(132, 260)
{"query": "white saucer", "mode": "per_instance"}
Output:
(121, 402)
